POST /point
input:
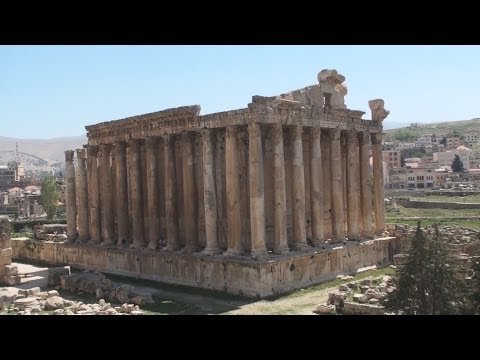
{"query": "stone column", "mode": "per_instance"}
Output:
(70, 197)
(82, 196)
(93, 183)
(209, 196)
(257, 196)
(136, 194)
(189, 194)
(152, 193)
(365, 191)
(298, 190)
(338, 233)
(379, 197)
(234, 220)
(171, 214)
(316, 187)
(280, 216)
(106, 195)
(123, 221)
(353, 186)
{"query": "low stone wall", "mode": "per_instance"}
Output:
(352, 308)
(436, 204)
(241, 276)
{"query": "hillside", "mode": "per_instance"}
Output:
(36, 150)
(461, 126)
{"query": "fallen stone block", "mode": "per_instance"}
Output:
(54, 274)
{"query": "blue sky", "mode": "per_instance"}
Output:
(55, 91)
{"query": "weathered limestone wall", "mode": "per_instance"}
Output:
(8, 272)
(252, 278)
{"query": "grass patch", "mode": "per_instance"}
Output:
(338, 282)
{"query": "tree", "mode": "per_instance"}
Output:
(50, 196)
(445, 290)
(473, 288)
(410, 280)
(457, 164)
(427, 283)
(443, 141)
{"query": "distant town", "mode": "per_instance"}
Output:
(415, 158)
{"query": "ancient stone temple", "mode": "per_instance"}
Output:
(232, 200)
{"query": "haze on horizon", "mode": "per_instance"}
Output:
(55, 91)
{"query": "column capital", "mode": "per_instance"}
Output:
(120, 147)
(254, 129)
(276, 133)
(231, 131)
(151, 142)
(351, 136)
(363, 138)
(69, 155)
(167, 138)
(134, 144)
(205, 133)
(334, 134)
(105, 148)
(92, 150)
(314, 131)
(81, 154)
(188, 135)
(376, 138)
(297, 132)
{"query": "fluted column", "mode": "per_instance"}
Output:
(170, 174)
(136, 194)
(234, 220)
(365, 191)
(353, 186)
(70, 196)
(298, 190)
(257, 196)
(379, 197)
(152, 193)
(280, 216)
(189, 194)
(209, 196)
(108, 225)
(316, 187)
(93, 183)
(82, 196)
(338, 233)
(123, 221)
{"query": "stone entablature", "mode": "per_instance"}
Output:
(175, 121)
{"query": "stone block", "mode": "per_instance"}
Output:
(54, 274)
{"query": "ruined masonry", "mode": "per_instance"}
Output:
(8, 272)
(228, 200)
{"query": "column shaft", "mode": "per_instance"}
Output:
(353, 186)
(152, 193)
(257, 196)
(93, 183)
(316, 187)
(136, 194)
(209, 195)
(280, 197)
(189, 194)
(234, 220)
(171, 214)
(108, 225)
(298, 190)
(365, 190)
(82, 196)
(379, 197)
(338, 233)
(121, 186)
(70, 196)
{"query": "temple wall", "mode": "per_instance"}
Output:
(245, 277)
